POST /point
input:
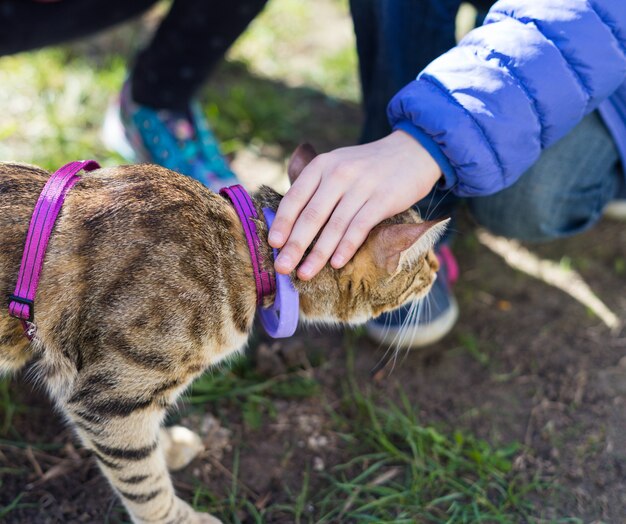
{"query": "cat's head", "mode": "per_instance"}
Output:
(395, 265)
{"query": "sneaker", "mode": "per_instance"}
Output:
(425, 321)
(616, 209)
(181, 142)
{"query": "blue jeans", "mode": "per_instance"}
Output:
(395, 40)
(562, 194)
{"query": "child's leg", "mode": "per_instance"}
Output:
(190, 41)
(564, 193)
(27, 25)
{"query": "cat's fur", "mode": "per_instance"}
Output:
(147, 282)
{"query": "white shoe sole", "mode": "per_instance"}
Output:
(113, 136)
(418, 335)
(616, 210)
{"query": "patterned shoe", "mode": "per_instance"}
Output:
(425, 321)
(182, 142)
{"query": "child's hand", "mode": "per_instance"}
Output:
(347, 192)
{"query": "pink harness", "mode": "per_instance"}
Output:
(22, 301)
(280, 320)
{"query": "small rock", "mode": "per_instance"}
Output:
(317, 442)
(575, 473)
(309, 423)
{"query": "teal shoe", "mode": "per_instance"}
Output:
(182, 142)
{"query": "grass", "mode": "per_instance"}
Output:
(52, 110)
(253, 394)
(404, 471)
(14, 504)
(9, 408)
(471, 344)
(393, 467)
(303, 44)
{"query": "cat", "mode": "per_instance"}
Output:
(147, 282)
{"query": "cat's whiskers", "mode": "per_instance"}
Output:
(403, 333)
(430, 203)
(432, 212)
(428, 308)
(409, 324)
(386, 328)
(413, 321)
(418, 309)
(418, 315)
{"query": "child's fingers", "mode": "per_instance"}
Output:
(308, 224)
(371, 214)
(292, 205)
(332, 233)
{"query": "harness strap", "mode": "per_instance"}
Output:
(22, 301)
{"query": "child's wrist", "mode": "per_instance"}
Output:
(417, 155)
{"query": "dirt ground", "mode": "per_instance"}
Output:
(525, 363)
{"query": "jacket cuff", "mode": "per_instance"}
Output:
(449, 175)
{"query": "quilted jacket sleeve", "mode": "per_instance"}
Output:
(487, 108)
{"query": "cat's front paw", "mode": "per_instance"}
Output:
(180, 446)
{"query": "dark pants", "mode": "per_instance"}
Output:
(563, 193)
(189, 42)
(395, 40)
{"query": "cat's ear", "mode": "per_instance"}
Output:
(300, 158)
(396, 245)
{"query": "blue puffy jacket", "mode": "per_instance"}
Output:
(486, 109)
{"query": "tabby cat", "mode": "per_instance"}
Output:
(147, 282)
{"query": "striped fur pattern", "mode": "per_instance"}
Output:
(147, 282)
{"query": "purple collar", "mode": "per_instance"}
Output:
(265, 281)
(280, 320)
(22, 301)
